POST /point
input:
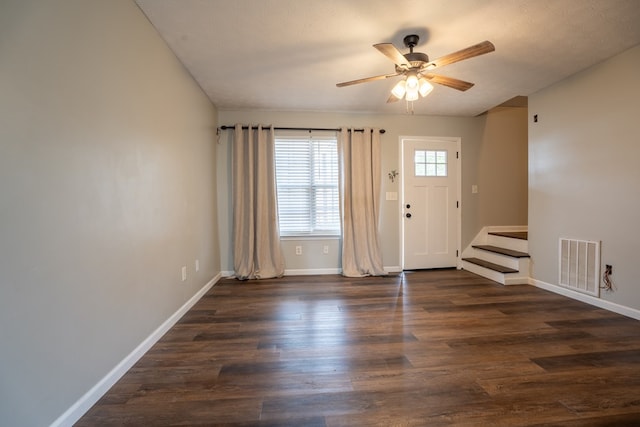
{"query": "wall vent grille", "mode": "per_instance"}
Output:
(580, 265)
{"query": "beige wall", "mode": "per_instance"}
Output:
(107, 188)
(583, 171)
(482, 137)
(502, 168)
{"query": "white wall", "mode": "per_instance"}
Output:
(107, 188)
(479, 138)
(583, 171)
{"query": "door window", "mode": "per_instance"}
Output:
(430, 163)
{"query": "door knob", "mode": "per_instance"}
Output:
(408, 215)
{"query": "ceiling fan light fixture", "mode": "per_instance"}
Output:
(412, 82)
(412, 95)
(425, 87)
(399, 89)
(412, 87)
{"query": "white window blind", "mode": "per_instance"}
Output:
(307, 184)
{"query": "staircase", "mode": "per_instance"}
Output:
(501, 256)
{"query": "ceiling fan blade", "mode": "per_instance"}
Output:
(391, 52)
(392, 98)
(366, 79)
(470, 52)
(449, 81)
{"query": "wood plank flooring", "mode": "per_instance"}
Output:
(427, 348)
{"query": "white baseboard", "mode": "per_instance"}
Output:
(78, 409)
(598, 302)
(318, 271)
(312, 271)
(393, 269)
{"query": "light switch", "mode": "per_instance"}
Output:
(392, 195)
(474, 189)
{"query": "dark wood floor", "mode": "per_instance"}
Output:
(420, 349)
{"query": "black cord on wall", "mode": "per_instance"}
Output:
(607, 284)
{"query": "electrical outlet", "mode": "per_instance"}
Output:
(298, 250)
(184, 273)
(609, 268)
(197, 265)
(325, 249)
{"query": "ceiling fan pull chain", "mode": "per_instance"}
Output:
(409, 111)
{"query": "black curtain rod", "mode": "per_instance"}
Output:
(309, 129)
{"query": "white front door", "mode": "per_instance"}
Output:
(430, 202)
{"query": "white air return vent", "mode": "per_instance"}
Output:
(580, 265)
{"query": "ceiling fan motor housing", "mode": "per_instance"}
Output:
(417, 59)
(411, 40)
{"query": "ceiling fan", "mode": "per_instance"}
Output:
(416, 69)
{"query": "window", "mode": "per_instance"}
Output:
(307, 184)
(430, 163)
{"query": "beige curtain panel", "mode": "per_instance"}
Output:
(359, 154)
(256, 237)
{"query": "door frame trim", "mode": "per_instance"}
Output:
(458, 146)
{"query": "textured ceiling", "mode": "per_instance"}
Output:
(289, 54)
